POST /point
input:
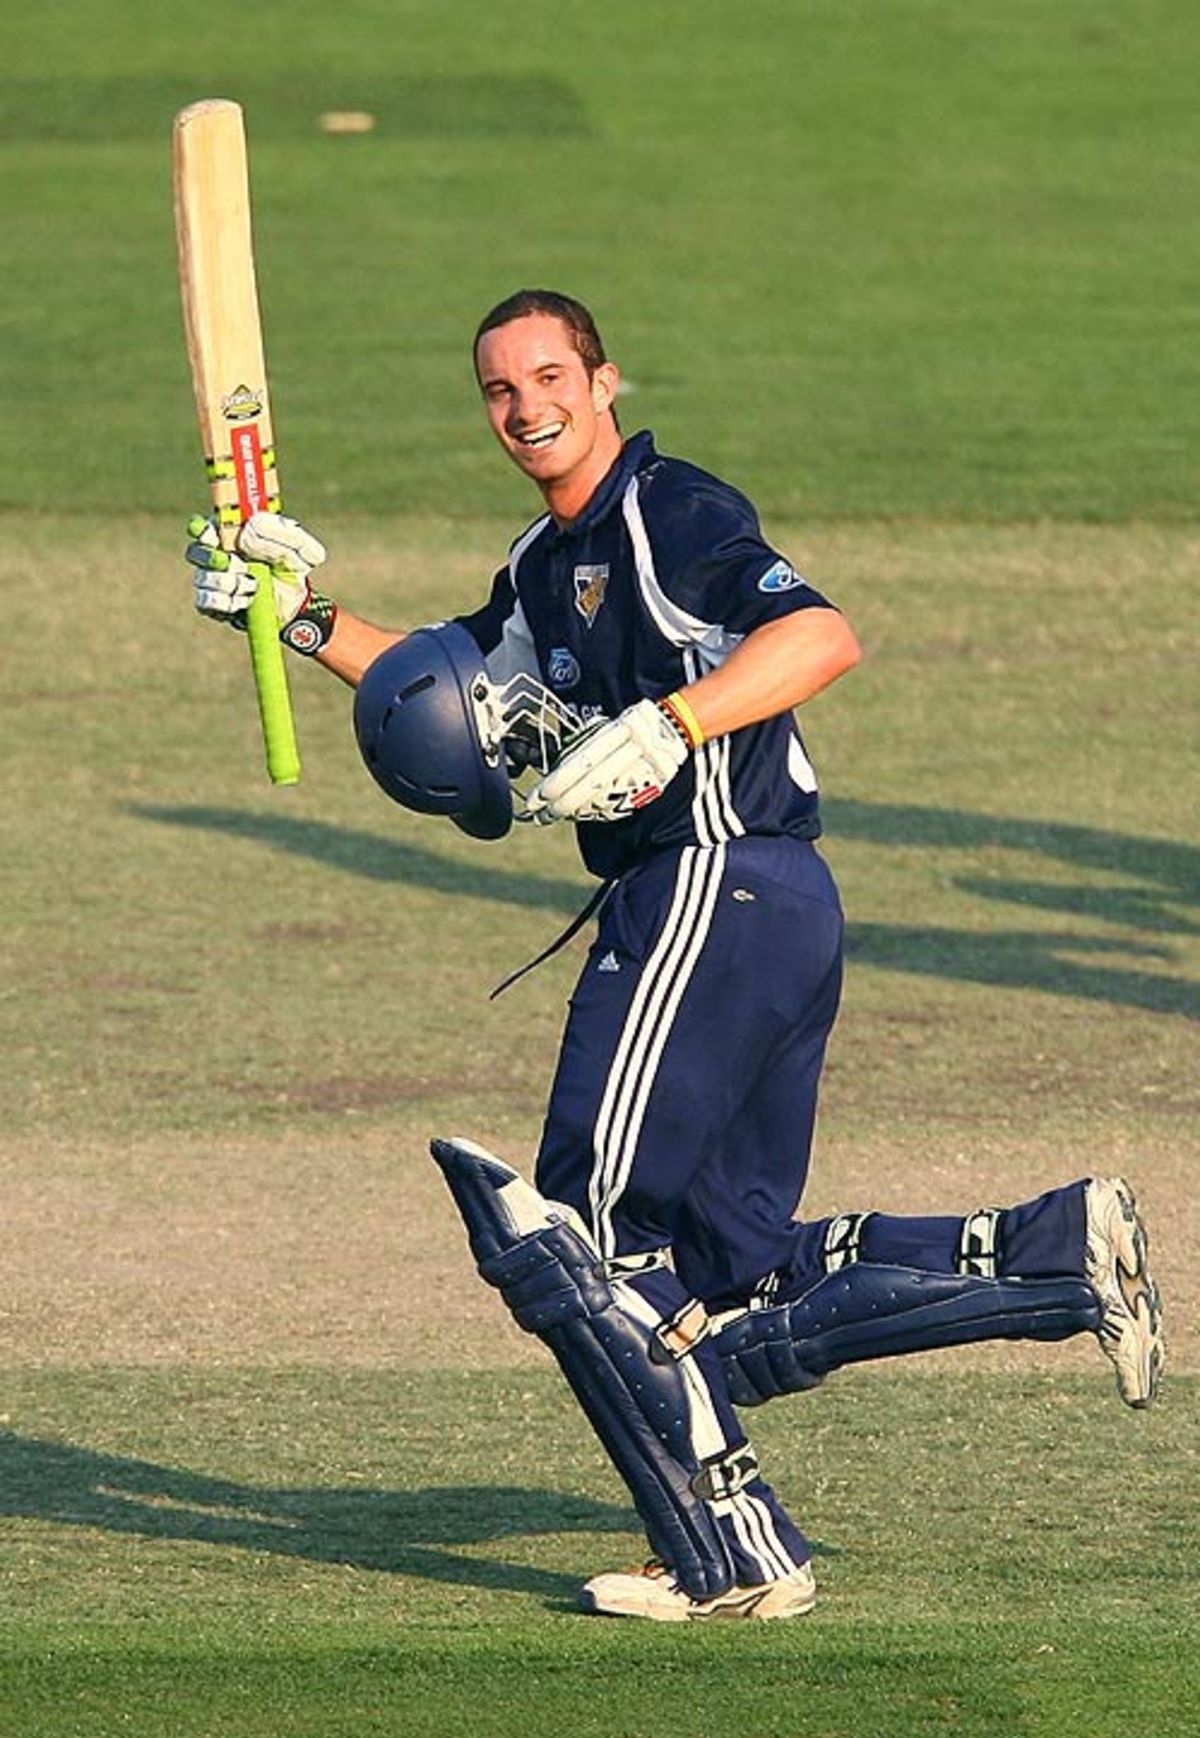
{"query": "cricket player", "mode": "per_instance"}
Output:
(658, 1252)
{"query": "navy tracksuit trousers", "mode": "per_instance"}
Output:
(683, 1107)
(682, 1113)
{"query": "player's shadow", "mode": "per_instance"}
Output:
(423, 1532)
(1152, 894)
(1152, 897)
(1166, 873)
(374, 857)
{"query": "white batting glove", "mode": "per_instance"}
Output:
(283, 545)
(222, 585)
(611, 769)
(271, 548)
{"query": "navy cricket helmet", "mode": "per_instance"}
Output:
(426, 720)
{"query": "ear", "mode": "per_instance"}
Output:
(604, 386)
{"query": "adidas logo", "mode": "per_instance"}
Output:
(610, 963)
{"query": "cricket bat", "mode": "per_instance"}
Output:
(225, 348)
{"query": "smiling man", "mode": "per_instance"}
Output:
(549, 392)
(658, 1255)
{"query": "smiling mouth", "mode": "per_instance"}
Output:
(536, 439)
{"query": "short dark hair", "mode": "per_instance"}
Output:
(574, 316)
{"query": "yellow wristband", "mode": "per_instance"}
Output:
(683, 718)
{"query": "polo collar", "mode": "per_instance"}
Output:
(611, 487)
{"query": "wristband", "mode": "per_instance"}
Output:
(679, 714)
(311, 628)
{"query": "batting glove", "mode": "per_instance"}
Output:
(283, 545)
(615, 766)
(271, 548)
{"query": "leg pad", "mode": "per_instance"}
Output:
(540, 1258)
(870, 1310)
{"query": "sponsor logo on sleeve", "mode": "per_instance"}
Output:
(781, 577)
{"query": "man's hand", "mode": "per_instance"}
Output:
(611, 769)
(270, 548)
(283, 545)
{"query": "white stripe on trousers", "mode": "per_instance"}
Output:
(749, 1516)
(647, 1027)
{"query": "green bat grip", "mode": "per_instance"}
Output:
(270, 682)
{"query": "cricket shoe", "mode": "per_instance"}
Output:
(1115, 1265)
(653, 1592)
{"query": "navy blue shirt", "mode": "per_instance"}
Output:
(663, 573)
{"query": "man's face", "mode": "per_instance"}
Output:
(550, 417)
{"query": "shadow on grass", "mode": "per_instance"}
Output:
(1168, 872)
(1161, 891)
(410, 1532)
(1159, 898)
(1027, 960)
(374, 857)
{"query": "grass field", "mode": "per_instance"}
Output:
(874, 257)
(920, 277)
(305, 1552)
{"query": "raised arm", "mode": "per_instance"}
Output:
(353, 645)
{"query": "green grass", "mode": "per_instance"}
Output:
(1012, 833)
(908, 258)
(309, 1552)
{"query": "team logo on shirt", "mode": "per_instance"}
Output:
(781, 577)
(590, 585)
(562, 667)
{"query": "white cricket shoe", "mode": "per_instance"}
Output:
(653, 1592)
(1115, 1264)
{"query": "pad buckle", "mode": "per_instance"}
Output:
(677, 1336)
(720, 1479)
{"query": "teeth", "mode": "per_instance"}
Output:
(543, 436)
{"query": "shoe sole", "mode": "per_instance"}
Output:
(756, 1604)
(1139, 1310)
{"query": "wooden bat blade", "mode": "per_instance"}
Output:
(225, 348)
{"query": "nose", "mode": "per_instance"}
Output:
(525, 408)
